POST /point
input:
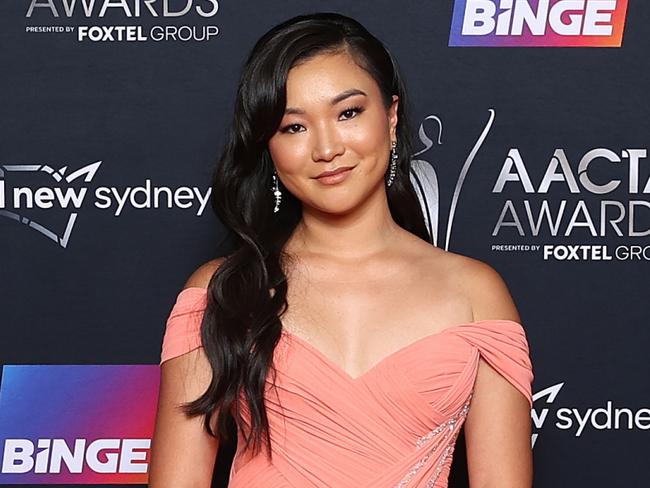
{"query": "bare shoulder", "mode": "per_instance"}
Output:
(484, 287)
(203, 274)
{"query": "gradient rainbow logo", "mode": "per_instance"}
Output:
(538, 23)
(77, 424)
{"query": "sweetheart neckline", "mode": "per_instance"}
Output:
(388, 357)
(385, 359)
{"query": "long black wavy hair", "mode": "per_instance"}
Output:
(247, 293)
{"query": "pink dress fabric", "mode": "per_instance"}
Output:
(395, 426)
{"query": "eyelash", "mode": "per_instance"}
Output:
(355, 108)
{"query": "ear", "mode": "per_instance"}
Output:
(392, 117)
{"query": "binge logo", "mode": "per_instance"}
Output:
(77, 424)
(549, 23)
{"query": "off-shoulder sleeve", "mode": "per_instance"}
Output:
(504, 346)
(183, 328)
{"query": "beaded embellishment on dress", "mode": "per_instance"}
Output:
(450, 429)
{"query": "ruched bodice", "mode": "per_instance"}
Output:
(393, 426)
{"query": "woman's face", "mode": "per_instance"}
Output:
(334, 118)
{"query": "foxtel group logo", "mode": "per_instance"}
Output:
(50, 201)
(543, 23)
(61, 17)
(77, 424)
(578, 420)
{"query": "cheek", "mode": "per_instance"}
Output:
(288, 155)
(368, 140)
(369, 136)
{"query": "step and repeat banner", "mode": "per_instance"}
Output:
(532, 115)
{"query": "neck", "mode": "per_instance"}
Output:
(355, 235)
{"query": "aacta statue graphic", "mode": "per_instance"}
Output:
(425, 179)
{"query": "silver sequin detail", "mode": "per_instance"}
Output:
(448, 428)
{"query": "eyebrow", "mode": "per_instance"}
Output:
(338, 98)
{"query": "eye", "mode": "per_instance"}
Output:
(352, 110)
(287, 128)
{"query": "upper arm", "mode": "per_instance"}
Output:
(183, 454)
(498, 426)
(488, 293)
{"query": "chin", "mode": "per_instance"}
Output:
(333, 208)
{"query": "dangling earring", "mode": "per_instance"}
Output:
(276, 192)
(393, 163)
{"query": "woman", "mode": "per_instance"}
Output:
(381, 346)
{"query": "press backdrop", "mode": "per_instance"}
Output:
(106, 147)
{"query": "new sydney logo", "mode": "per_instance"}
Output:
(578, 420)
(50, 201)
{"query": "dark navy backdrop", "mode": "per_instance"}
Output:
(155, 112)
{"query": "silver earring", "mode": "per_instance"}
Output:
(393, 163)
(276, 192)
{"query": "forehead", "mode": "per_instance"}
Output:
(324, 76)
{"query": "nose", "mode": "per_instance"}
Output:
(327, 144)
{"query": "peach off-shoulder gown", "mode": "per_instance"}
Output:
(394, 426)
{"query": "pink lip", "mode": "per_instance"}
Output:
(336, 176)
(336, 171)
